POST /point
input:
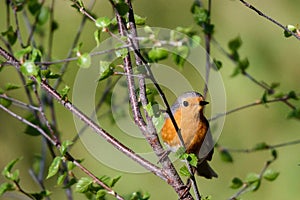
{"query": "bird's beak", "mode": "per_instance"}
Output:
(203, 103)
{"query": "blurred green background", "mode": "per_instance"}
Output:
(273, 58)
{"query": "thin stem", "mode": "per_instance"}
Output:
(67, 155)
(269, 18)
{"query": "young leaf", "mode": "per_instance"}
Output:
(20, 54)
(157, 54)
(261, 146)
(11, 35)
(180, 54)
(97, 36)
(252, 177)
(217, 64)
(101, 194)
(235, 44)
(43, 15)
(84, 184)
(139, 20)
(84, 60)
(102, 22)
(291, 28)
(184, 171)
(28, 68)
(5, 102)
(64, 146)
(236, 183)
(106, 70)
(225, 155)
(4, 187)
(61, 178)
(270, 175)
(122, 8)
(7, 169)
(54, 167)
(63, 92)
(11, 86)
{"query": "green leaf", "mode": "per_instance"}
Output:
(158, 121)
(54, 26)
(31, 130)
(34, 6)
(184, 171)
(102, 22)
(11, 35)
(28, 68)
(54, 167)
(236, 183)
(235, 44)
(261, 146)
(106, 70)
(274, 154)
(291, 28)
(225, 155)
(295, 113)
(157, 54)
(195, 41)
(61, 178)
(101, 194)
(21, 53)
(121, 52)
(270, 175)
(179, 153)
(113, 181)
(255, 185)
(43, 15)
(243, 64)
(293, 95)
(122, 8)
(7, 169)
(64, 146)
(41, 195)
(70, 165)
(11, 86)
(84, 61)
(64, 92)
(139, 20)
(4, 187)
(84, 185)
(139, 196)
(217, 64)
(191, 158)
(200, 14)
(5, 102)
(180, 55)
(252, 177)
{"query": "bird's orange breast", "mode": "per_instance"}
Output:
(193, 131)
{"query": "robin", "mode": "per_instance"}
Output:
(188, 113)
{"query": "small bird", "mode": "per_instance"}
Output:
(188, 113)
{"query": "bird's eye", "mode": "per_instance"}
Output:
(185, 103)
(203, 103)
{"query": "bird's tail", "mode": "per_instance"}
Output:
(203, 169)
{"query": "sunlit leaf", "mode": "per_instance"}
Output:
(270, 175)
(83, 184)
(54, 167)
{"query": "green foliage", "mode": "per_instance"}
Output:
(191, 158)
(270, 175)
(102, 22)
(106, 70)
(64, 92)
(8, 173)
(54, 167)
(157, 54)
(64, 146)
(11, 35)
(139, 196)
(84, 60)
(225, 155)
(236, 183)
(291, 28)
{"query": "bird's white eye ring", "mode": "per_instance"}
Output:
(185, 103)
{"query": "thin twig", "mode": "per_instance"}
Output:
(259, 102)
(57, 145)
(269, 18)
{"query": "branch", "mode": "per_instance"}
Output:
(57, 145)
(269, 18)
